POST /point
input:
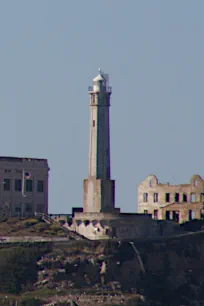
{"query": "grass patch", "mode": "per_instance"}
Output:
(30, 222)
(43, 293)
(55, 227)
(41, 227)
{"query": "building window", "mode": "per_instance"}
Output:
(18, 209)
(40, 208)
(167, 215)
(195, 183)
(93, 98)
(185, 199)
(191, 215)
(40, 186)
(155, 197)
(167, 197)
(18, 185)
(28, 207)
(29, 185)
(145, 197)
(150, 183)
(145, 211)
(176, 197)
(193, 197)
(176, 215)
(94, 123)
(7, 170)
(7, 184)
(156, 214)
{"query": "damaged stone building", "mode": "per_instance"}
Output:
(180, 203)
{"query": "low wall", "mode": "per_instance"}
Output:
(31, 239)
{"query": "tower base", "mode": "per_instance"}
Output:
(99, 196)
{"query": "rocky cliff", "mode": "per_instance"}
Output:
(166, 271)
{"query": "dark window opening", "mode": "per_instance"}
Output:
(41, 208)
(175, 216)
(190, 215)
(155, 214)
(167, 215)
(185, 197)
(40, 186)
(7, 184)
(28, 208)
(145, 197)
(177, 197)
(94, 123)
(145, 211)
(167, 197)
(155, 197)
(18, 185)
(29, 185)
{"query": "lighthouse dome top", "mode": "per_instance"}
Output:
(99, 78)
(100, 83)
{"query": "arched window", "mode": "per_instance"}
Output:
(145, 197)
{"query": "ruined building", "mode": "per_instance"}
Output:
(23, 186)
(100, 219)
(179, 203)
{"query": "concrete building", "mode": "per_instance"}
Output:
(100, 218)
(180, 203)
(23, 186)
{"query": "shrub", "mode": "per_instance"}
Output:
(30, 222)
(61, 234)
(62, 222)
(69, 221)
(50, 232)
(13, 220)
(55, 227)
(3, 219)
(40, 227)
(29, 301)
(18, 268)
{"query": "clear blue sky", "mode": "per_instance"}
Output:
(153, 51)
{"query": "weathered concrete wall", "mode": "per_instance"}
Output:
(182, 195)
(99, 195)
(31, 239)
(121, 226)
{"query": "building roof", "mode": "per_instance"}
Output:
(20, 159)
(99, 78)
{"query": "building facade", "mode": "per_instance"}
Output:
(179, 203)
(23, 186)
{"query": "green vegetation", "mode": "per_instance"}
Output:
(3, 219)
(18, 269)
(30, 222)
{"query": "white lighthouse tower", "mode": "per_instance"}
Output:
(100, 219)
(99, 189)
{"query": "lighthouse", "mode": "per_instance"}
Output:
(100, 219)
(99, 189)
